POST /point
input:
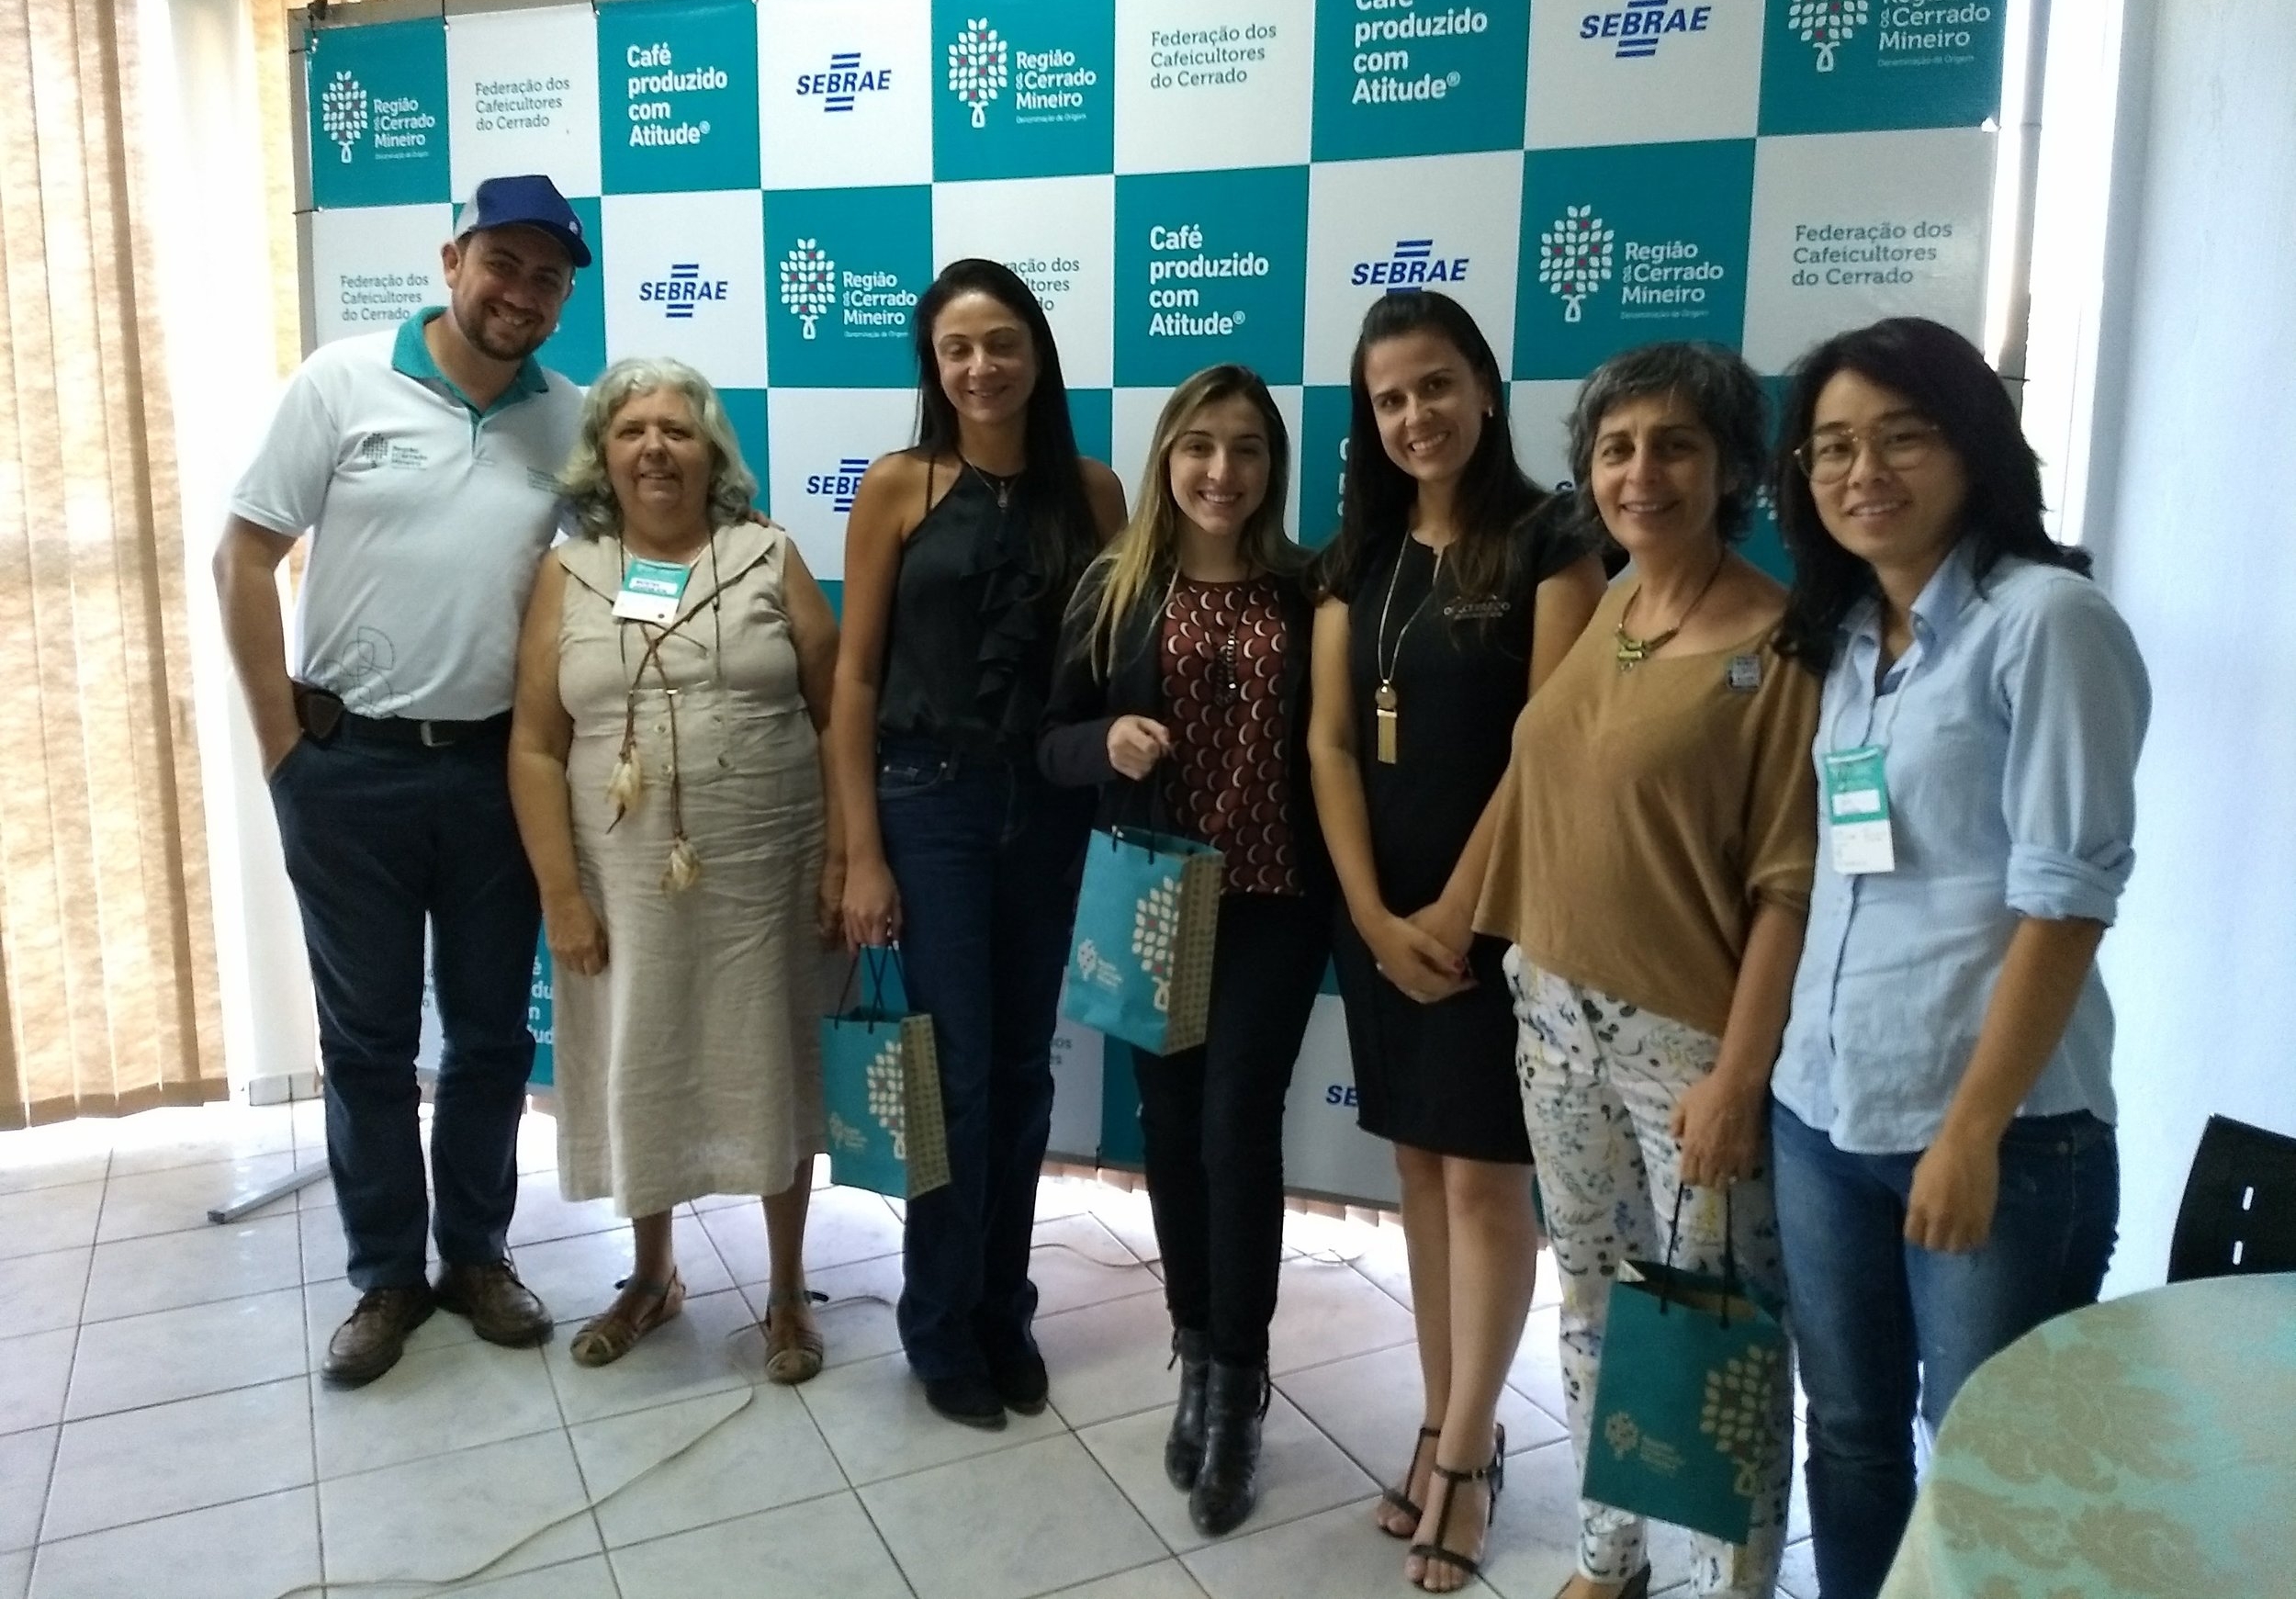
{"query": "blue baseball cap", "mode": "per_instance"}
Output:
(528, 201)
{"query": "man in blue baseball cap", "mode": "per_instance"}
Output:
(422, 465)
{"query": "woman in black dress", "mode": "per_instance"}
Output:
(1453, 589)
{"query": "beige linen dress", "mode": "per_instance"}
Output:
(691, 1065)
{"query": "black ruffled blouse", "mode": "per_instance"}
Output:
(968, 656)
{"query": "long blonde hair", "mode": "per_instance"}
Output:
(1139, 563)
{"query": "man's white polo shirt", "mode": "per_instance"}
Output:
(427, 517)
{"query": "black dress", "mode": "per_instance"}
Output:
(1439, 1077)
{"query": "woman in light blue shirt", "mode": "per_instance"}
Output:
(1942, 1103)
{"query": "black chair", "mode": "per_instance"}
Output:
(2239, 1211)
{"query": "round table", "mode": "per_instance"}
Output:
(2145, 1447)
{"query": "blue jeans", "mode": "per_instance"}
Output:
(379, 838)
(1880, 1323)
(986, 855)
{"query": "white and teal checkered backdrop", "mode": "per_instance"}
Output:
(770, 183)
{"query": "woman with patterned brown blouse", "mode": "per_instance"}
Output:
(1181, 692)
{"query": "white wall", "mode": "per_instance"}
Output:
(214, 271)
(2190, 512)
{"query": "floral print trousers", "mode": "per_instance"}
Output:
(1600, 1081)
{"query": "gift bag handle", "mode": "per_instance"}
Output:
(1730, 1283)
(881, 958)
(1149, 793)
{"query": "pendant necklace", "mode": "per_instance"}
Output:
(1386, 705)
(1000, 486)
(1226, 686)
(1631, 652)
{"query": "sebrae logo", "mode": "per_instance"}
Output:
(1638, 28)
(342, 112)
(682, 291)
(1415, 263)
(840, 88)
(839, 487)
(1827, 25)
(1574, 258)
(809, 283)
(979, 66)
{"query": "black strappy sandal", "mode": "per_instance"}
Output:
(1495, 1474)
(1399, 1497)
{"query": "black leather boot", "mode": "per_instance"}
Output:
(1227, 1486)
(1184, 1448)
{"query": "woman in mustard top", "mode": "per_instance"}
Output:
(1652, 867)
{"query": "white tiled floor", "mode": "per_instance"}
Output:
(164, 1435)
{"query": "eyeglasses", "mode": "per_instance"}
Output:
(1827, 457)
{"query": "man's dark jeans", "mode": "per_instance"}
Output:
(381, 837)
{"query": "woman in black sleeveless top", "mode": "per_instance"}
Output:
(1426, 650)
(960, 558)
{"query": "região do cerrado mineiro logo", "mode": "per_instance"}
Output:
(1827, 25)
(983, 65)
(869, 304)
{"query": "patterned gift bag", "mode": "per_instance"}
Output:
(881, 1087)
(1140, 967)
(1691, 1369)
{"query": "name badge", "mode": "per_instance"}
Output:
(1857, 812)
(650, 592)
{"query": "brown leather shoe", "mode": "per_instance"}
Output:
(370, 1343)
(502, 1309)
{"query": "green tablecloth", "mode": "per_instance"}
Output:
(2145, 1447)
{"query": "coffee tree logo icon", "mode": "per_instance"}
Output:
(809, 283)
(977, 68)
(342, 112)
(1736, 1415)
(1574, 258)
(1155, 929)
(888, 1098)
(1826, 24)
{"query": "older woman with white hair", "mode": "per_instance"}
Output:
(673, 679)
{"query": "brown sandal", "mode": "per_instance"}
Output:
(793, 1343)
(614, 1332)
(1399, 1497)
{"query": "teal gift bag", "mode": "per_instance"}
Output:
(881, 1087)
(542, 1018)
(1140, 963)
(1691, 1371)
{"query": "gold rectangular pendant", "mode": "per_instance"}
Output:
(1384, 721)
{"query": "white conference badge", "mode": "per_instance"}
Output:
(1857, 811)
(650, 592)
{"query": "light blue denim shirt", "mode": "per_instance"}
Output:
(2011, 728)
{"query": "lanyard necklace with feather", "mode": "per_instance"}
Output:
(627, 782)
